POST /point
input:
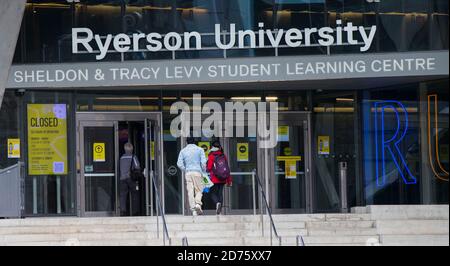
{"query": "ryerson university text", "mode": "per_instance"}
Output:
(85, 41)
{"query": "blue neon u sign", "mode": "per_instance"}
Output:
(385, 147)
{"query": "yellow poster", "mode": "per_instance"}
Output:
(152, 150)
(283, 133)
(242, 152)
(205, 146)
(323, 143)
(13, 148)
(99, 152)
(47, 139)
(290, 169)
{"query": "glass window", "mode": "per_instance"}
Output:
(358, 12)
(392, 151)
(146, 16)
(9, 128)
(48, 27)
(403, 25)
(435, 151)
(439, 27)
(334, 121)
(301, 14)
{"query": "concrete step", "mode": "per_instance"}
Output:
(341, 224)
(74, 242)
(343, 232)
(347, 217)
(415, 240)
(76, 229)
(349, 240)
(79, 236)
(412, 227)
(409, 212)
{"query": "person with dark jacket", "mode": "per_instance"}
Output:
(217, 190)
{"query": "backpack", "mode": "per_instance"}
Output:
(135, 174)
(220, 168)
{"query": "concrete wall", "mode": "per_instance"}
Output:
(11, 13)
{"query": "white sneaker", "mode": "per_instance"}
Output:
(218, 208)
(199, 210)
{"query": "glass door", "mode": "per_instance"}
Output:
(242, 153)
(290, 183)
(98, 168)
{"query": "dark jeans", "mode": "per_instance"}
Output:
(127, 187)
(217, 193)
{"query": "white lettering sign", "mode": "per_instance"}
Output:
(173, 41)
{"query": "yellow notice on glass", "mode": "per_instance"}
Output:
(13, 148)
(242, 152)
(152, 150)
(283, 133)
(47, 139)
(290, 169)
(99, 153)
(205, 146)
(323, 143)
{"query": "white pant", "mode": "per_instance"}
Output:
(194, 186)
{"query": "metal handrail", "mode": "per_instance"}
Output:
(269, 212)
(184, 241)
(158, 200)
(300, 240)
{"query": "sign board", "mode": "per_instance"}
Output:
(99, 153)
(287, 158)
(47, 139)
(13, 148)
(290, 169)
(242, 152)
(283, 133)
(323, 144)
(205, 145)
(218, 71)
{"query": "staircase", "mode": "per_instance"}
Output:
(410, 225)
(372, 225)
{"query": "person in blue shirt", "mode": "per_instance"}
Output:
(192, 161)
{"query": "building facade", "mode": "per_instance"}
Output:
(361, 88)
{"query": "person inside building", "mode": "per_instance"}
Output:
(129, 164)
(192, 161)
(219, 171)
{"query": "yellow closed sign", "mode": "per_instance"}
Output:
(47, 139)
(99, 153)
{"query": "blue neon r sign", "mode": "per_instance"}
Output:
(385, 147)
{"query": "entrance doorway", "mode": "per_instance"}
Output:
(285, 170)
(100, 144)
(241, 197)
(289, 165)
